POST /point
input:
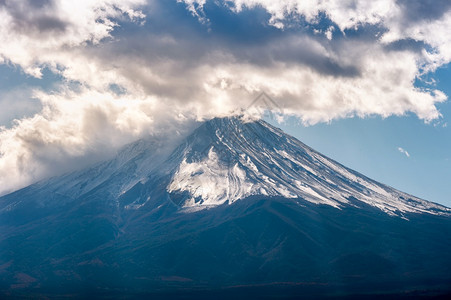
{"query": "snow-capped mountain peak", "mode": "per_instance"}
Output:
(229, 159)
(223, 161)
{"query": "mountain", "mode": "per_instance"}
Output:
(226, 160)
(237, 208)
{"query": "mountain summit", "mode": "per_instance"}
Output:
(229, 159)
(237, 202)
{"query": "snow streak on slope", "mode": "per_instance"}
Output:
(210, 182)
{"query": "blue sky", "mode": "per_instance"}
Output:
(364, 82)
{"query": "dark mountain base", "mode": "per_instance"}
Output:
(270, 248)
(273, 292)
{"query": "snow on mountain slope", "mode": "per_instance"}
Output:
(109, 179)
(222, 161)
(229, 159)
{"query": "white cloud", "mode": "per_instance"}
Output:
(73, 126)
(317, 90)
(345, 13)
(348, 14)
(403, 151)
(31, 33)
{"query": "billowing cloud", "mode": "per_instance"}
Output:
(417, 20)
(34, 33)
(132, 68)
(75, 129)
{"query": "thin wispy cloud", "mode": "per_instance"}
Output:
(174, 61)
(403, 151)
